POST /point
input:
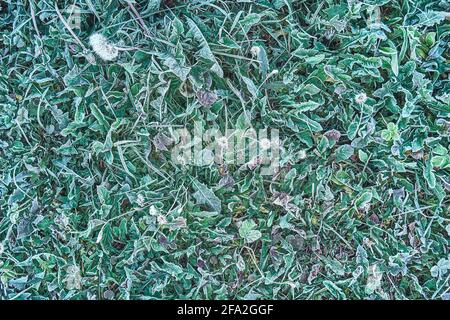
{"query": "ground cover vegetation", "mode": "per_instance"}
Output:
(92, 205)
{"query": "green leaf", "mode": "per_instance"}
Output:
(205, 50)
(344, 152)
(307, 123)
(363, 156)
(334, 289)
(306, 106)
(390, 133)
(99, 117)
(429, 176)
(315, 59)
(261, 55)
(250, 20)
(171, 268)
(176, 66)
(246, 231)
(153, 5)
(363, 199)
(206, 196)
(440, 161)
(430, 18)
(251, 87)
(352, 129)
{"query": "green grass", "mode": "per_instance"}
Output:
(92, 205)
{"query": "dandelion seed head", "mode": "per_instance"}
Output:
(102, 47)
(264, 144)
(361, 98)
(161, 219)
(255, 50)
(181, 160)
(140, 200)
(301, 154)
(273, 73)
(153, 211)
(222, 142)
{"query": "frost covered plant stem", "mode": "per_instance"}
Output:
(102, 47)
